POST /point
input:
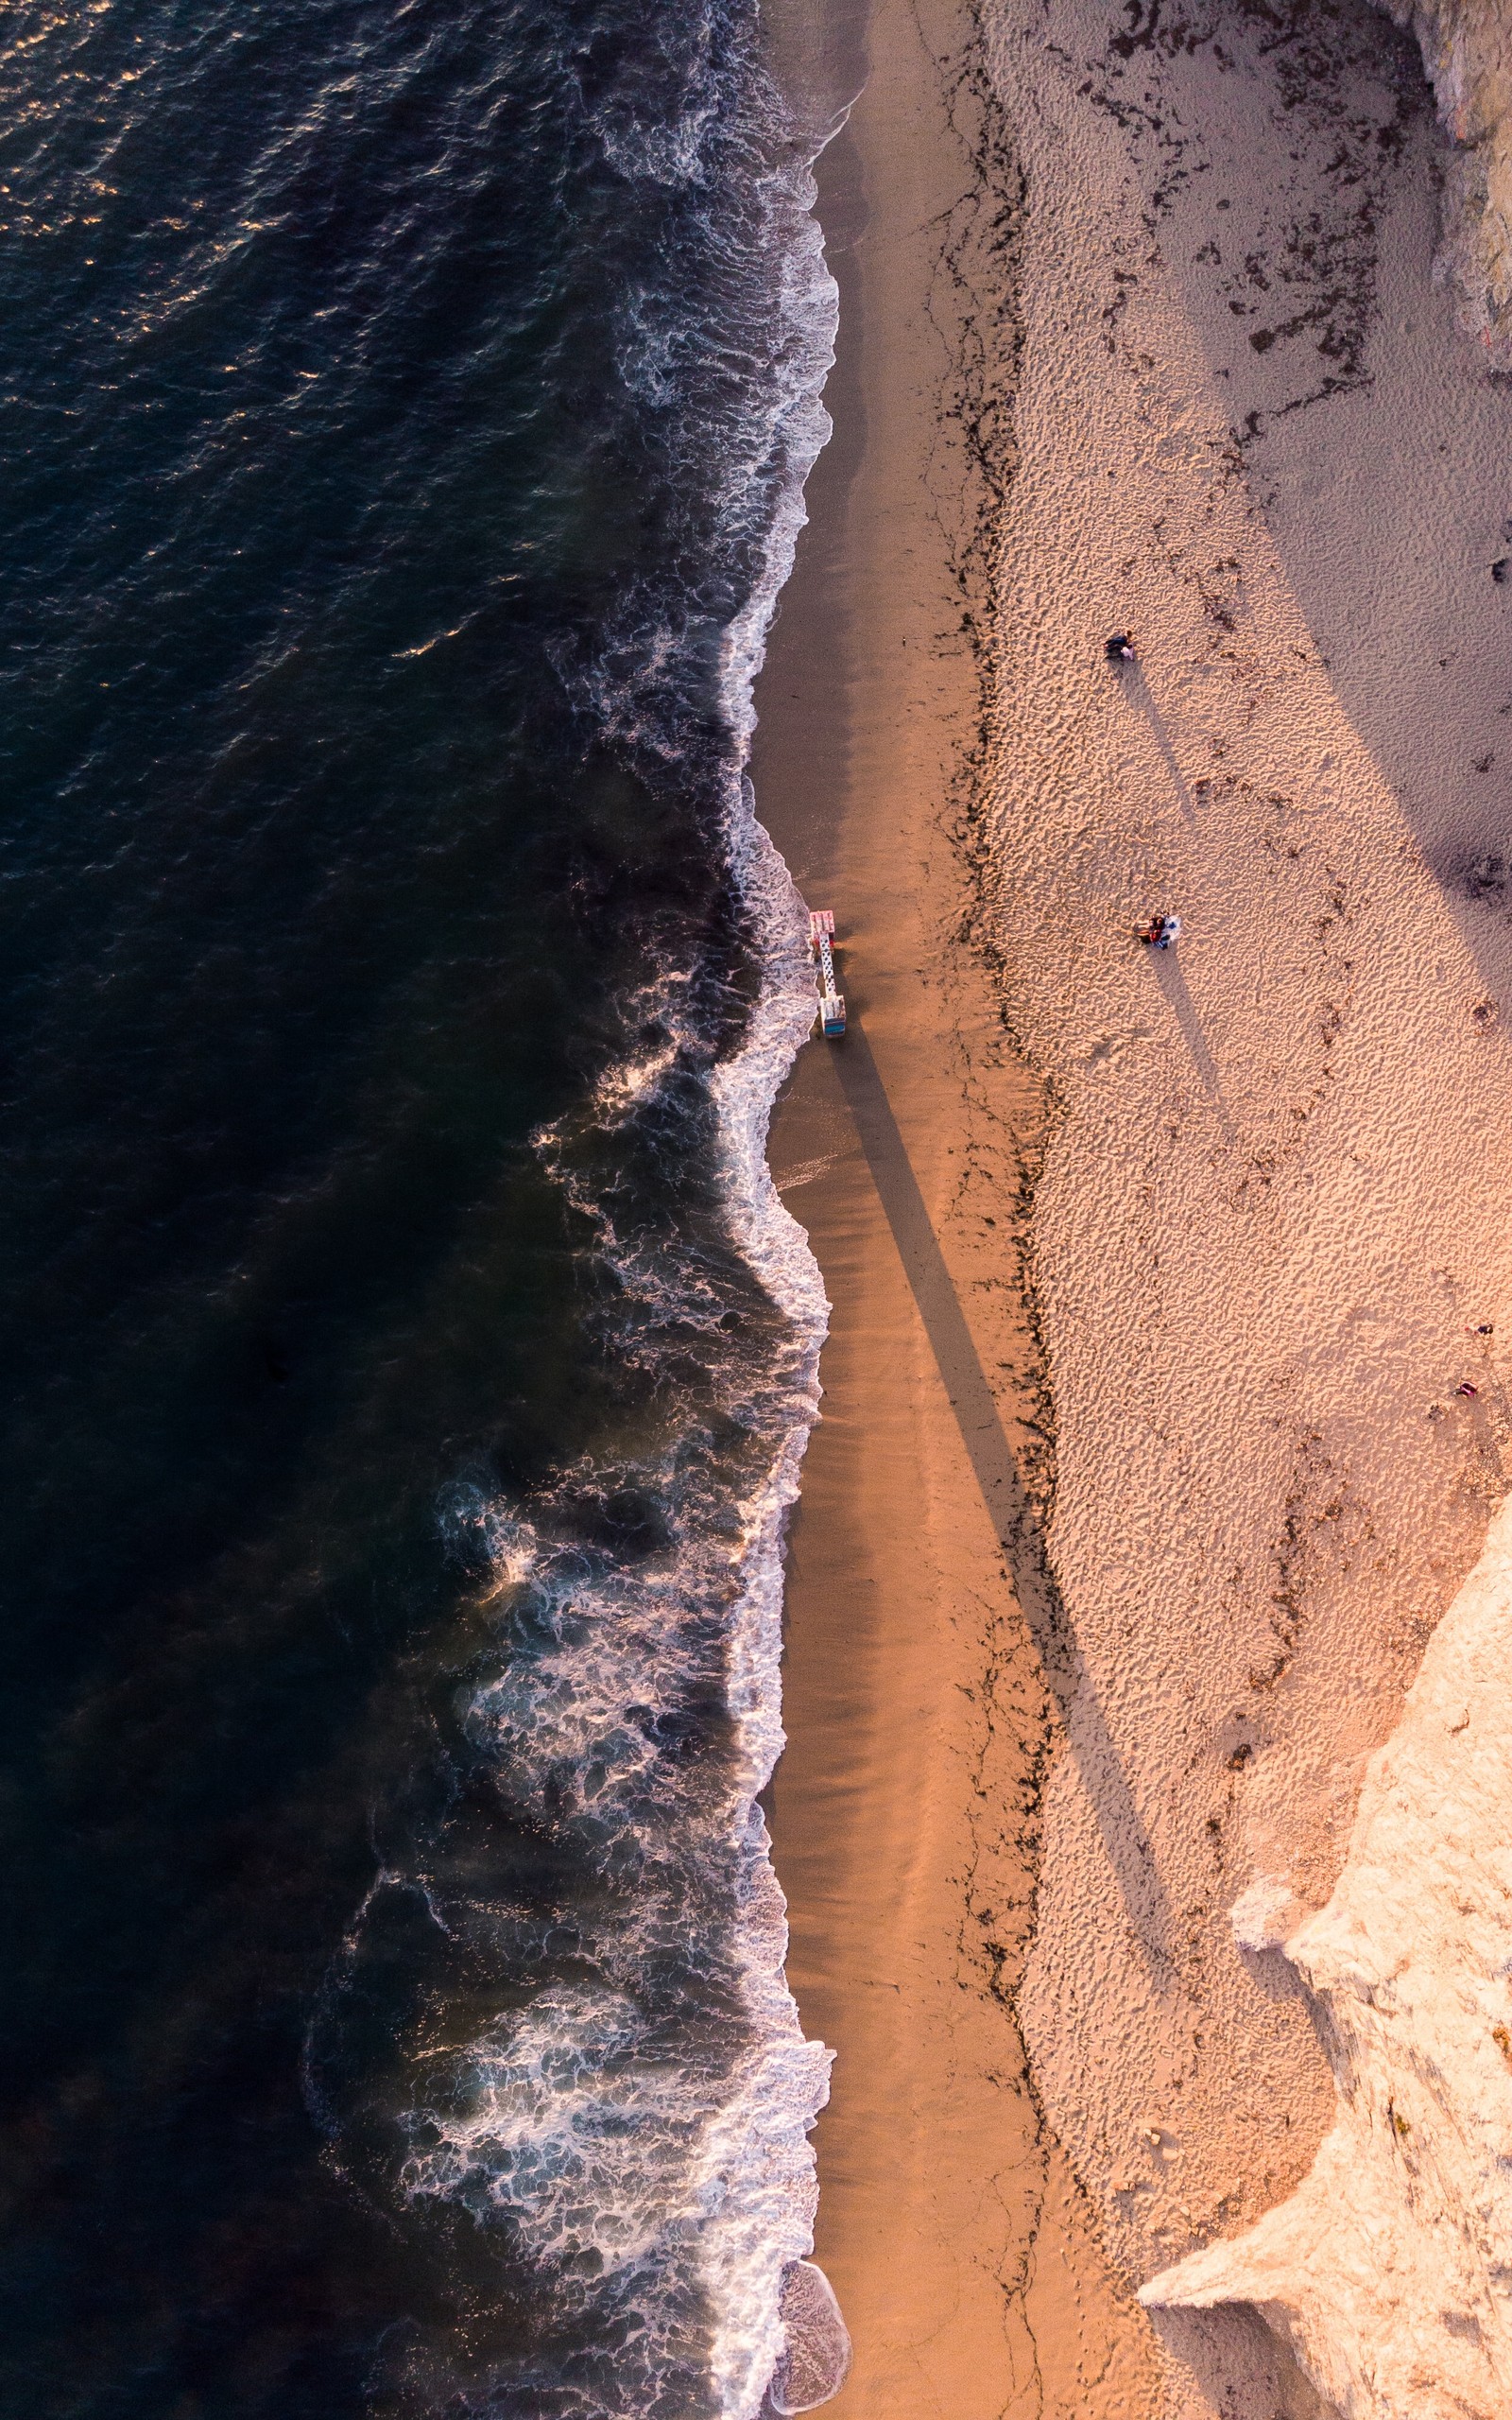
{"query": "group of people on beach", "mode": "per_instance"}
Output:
(1162, 931)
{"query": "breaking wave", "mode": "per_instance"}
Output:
(629, 2115)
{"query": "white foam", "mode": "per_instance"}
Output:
(772, 2222)
(572, 2117)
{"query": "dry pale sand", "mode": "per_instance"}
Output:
(1275, 1203)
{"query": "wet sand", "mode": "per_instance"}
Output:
(918, 1700)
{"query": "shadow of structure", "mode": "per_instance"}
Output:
(1013, 1517)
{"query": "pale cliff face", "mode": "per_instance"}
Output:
(1390, 2269)
(1466, 47)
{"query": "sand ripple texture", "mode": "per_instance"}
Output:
(1272, 1240)
(1388, 2268)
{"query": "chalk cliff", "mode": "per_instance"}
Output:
(1467, 48)
(1389, 2271)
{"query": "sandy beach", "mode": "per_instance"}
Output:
(905, 1809)
(1272, 1225)
(1163, 1413)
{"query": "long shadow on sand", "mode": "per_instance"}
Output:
(1138, 685)
(1125, 1837)
(1173, 982)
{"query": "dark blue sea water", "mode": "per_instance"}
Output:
(405, 1360)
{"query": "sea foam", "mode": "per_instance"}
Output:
(652, 2148)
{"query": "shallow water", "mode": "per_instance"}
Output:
(405, 1359)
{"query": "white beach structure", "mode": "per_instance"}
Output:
(821, 940)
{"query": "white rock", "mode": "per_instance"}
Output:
(1389, 2271)
(1264, 1915)
(1467, 48)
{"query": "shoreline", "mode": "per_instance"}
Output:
(902, 1810)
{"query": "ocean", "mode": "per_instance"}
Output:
(407, 1360)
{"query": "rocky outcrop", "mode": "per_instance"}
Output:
(1389, 2271)
(1467, 48)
